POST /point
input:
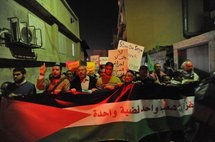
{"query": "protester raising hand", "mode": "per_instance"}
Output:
(56, 83)
(43, 69)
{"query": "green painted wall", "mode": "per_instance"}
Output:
(57, 8)
(56, 46)
(159, 22)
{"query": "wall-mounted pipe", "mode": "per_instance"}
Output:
(185, 20)
(3, 31)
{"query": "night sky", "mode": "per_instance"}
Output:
(97, 20)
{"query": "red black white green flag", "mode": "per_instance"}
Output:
(127, 120)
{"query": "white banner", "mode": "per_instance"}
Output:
(135, 53)
(133, 111)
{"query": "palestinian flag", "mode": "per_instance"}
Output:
(129, 120)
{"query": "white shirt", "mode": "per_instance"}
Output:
(85, 83)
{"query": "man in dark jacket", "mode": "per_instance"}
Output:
(83, 82)
(145, 77)
(20, 87)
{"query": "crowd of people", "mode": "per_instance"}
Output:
(80, 80)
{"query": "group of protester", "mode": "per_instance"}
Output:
(80, 81)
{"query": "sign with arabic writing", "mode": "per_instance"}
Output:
(95, 58)
(135, 53)
(72, 65)
(91, 67)
(103, 60)
(119, 58)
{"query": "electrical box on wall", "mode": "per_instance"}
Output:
(24, 34)
(22, 38)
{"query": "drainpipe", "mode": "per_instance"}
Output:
(186, 32)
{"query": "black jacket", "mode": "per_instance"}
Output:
(76, 83)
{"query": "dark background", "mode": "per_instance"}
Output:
(97, 21)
